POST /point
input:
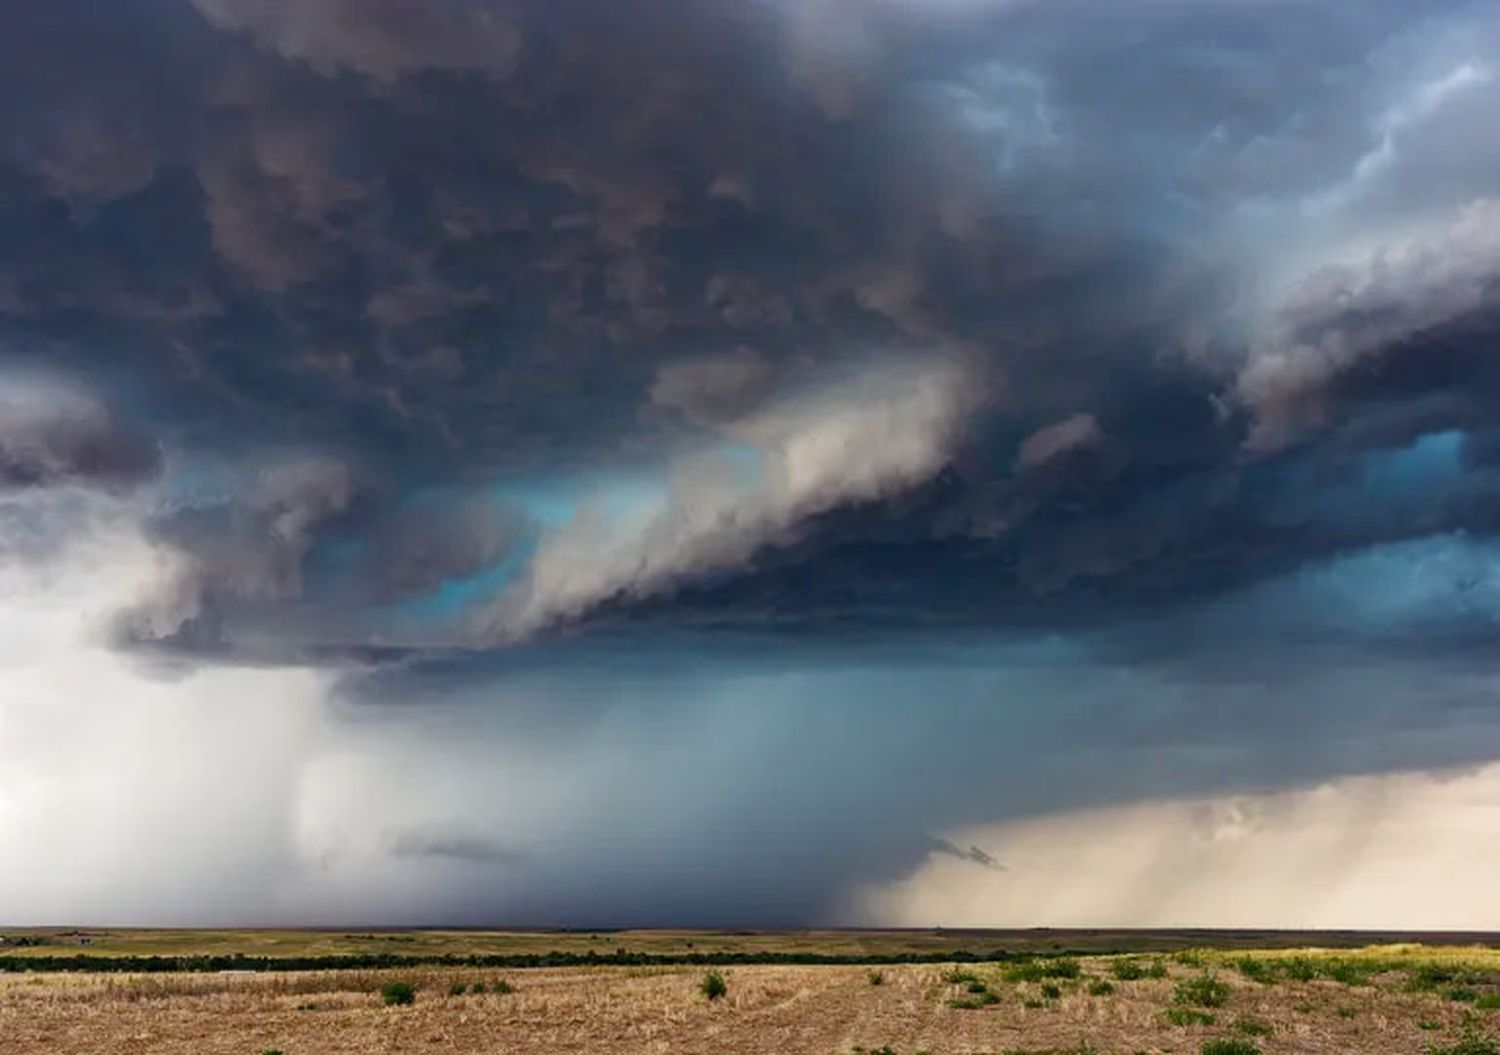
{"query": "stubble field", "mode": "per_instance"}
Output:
(1386, 1000)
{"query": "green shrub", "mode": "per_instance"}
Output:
(1037, 970)
(1230, 1046)
(984, 998)
(1127, 970)
(875, 977)
(1429, 1024)
(1100, 987)
(1348, 972)
(457, 989)
(272, 1051)
(1256, 969)
(976, 986)
(398, 994)
(1033, 1003)
(1299, 969)
(1186, 1016)
(1488, 1002)
(960, 976)
(1189, 958)
(1463, 994)
(1051, 991)
(1203, 991)
(1253, 1027)
(1155, 969)
(502, 987)
(713, 985)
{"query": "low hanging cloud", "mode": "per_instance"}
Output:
(859, 439)
(250, 551)
(52, 435)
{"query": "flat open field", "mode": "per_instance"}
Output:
(1385, 1000)
(856, 944)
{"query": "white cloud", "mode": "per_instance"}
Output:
(857, 440)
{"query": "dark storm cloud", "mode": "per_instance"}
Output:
(471, 242)
(52, 437)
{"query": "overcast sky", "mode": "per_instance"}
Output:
(750, 462)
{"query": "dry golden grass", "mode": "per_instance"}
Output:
(770, 1009)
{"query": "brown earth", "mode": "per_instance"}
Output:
(768, 1009)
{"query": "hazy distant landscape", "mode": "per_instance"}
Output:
(1033, 992)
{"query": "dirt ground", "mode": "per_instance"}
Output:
(772, 1009)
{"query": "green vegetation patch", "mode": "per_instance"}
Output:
(1187, 1016)
(713, 985)
(1472, 1044)
(1230, 1046)
(1205, 990)
(1037, 970)
(1253, 1027)
(398, 994)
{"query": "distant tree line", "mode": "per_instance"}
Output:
(510, 961)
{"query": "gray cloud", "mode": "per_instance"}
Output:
(964, 410)
(52, 435)
(385, 40)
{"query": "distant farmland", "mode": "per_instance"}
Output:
(1224, 1000)
(191, 949)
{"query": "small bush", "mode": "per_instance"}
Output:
(1253, 1027)
(1037, 970)
(1257, 970)
(1202, 991)
(1155, 969)
(875, 977)
(1188, 958)
(1127, 970)
(1488, 1002)
(713, 985)
(1100, 987)
(1299, 969)
(1348, 972)
(1463, 994)
(502, 987)
(960, 976)
(272, 1051)
(1230, 1046)
(1033, 1003)
(1051, 991)
(984, 998)
(457, 989)
(398, 994)
(1186, 1016)
(976, 986)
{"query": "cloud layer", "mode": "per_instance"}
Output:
(951, 408)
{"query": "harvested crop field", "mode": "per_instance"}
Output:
(1383, 1002)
